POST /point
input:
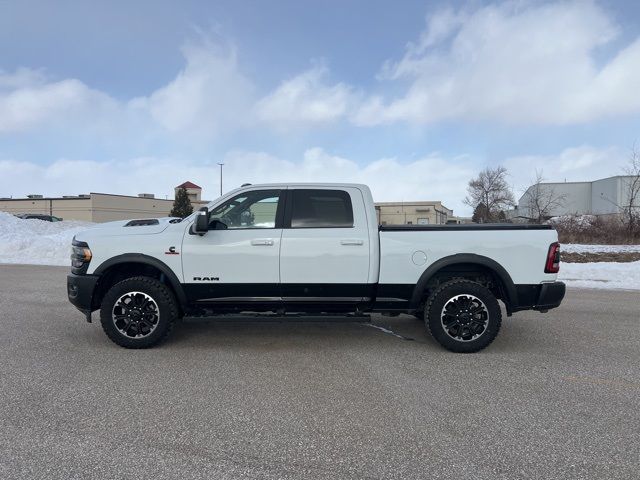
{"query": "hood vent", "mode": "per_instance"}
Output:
(142, 223)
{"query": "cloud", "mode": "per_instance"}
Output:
(22, 77)
(431, 177)
(514, 62)
(29, 100)
(575, 164)
(306, 99)
(208, 96)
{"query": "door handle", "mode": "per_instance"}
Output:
(351, 241)
(262, 242)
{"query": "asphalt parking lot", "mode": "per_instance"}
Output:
(556, 396)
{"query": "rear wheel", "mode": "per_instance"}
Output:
(463, 316)
(138, 312)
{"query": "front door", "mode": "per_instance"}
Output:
(237, 260)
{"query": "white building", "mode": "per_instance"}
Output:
(607, 196)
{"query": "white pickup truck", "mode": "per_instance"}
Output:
(310, 249)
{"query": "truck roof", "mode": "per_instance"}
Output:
(360, 186)
(307, 184)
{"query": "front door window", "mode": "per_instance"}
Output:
(249, 210)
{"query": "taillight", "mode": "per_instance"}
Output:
(553, 259)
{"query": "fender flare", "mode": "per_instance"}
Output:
(467, 258)
(146, 260)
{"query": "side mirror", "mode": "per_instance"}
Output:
(201, 225)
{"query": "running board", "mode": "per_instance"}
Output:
(287, 317)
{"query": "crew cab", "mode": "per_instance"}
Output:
(311, 249)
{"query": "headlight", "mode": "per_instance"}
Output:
(80, 253)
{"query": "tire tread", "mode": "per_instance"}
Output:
(470, 347)
(166, 296)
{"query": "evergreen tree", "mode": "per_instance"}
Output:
(481, 214)
(181, 205)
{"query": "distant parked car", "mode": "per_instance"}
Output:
(38, 216)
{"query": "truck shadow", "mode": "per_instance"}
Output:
(278, 333)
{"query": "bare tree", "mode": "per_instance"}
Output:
(542, 199)
(490, 188)
(631, 204)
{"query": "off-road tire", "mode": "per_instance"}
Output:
(446, 293)
(161, 295)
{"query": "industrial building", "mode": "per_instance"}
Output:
(100, 207)
(606, 196)
(413, 213)
(104, 207)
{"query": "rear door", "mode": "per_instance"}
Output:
(324, 253)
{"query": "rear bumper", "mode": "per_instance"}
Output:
(551, 295)
(80, 290)
(541, 297)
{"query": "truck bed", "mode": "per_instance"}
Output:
(519, 251)
(464, 227)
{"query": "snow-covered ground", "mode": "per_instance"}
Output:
(610, 275)
(47, 243)
(36, 241)
(577, 248)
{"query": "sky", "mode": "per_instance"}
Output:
(413, 98)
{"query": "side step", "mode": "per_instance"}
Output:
(287, 317)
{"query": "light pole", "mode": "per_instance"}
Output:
(221, 164)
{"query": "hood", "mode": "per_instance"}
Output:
(139, 226)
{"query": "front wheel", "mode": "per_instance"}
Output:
(138, 312)
(463, 316)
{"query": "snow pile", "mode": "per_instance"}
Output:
(609, 275)
(578, 248)
(582, 221)
(37, 242)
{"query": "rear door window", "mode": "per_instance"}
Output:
(321, 209)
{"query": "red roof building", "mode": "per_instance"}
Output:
(189, 185)
(194, 192)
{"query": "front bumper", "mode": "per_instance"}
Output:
(80, 290)
(551, 295)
